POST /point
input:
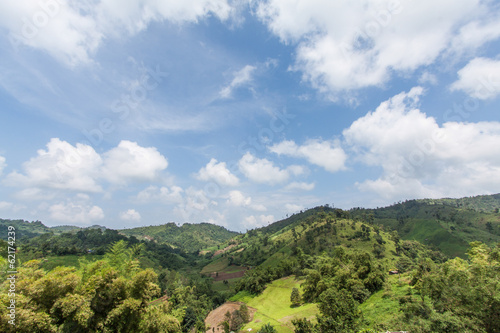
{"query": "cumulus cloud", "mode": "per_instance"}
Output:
(242, 77)
(80, 168)
(196, 205)
(480, 78)
(236, 198)
(346, 45)
(421, 158)
(217, 172)
(326, 154)
(264, 171)
(130, 215)
(129, 161)
(80, 213)
(62, 166)
(73, 31)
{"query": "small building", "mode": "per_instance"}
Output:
(393, 272)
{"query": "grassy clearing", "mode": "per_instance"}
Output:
(382, 306)
(217, 266)
(274, 306)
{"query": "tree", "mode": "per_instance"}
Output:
(245, 315)
(236, 321)
(267, 328)
(302, 325)
(339, 312)
(189, 320)
(295, 297)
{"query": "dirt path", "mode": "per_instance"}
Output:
(218, 315)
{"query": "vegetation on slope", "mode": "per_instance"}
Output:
(322, 270)
(188, 237)
(447, 224)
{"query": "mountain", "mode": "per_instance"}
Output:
(448, 224)
(188, 237)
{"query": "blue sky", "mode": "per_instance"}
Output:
(130, 113)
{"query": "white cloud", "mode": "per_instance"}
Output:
(300, 186)
(264, 171)
(252, 221)
(292, 208)
(346, 45)
(478, 32)
(73, 31)
(259, 207)
(70, 212)
(163, 193)
(196, 205)
(4, 205)
(242, 77)
(129, 161)
(11, 207)
(480, 78)
(81, 169)
(418, 157)
(326, 154)
(427, 77)
(2, 164)
(218, 173)
(236, 198)
(130, 215)
(62, 166)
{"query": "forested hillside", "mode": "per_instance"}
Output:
(188, 237)
(448, 224)
(322, 270)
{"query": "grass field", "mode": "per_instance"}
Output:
(217, 266)
(274, 306)
(384, 304)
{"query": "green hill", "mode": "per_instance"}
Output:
(448, 224)
(24, 229)
(188, 237)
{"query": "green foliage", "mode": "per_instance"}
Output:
(302, 325)
(455, 296)
(295, 298)
(339, 312)
(447, 224)
(24, 229)
(102, 296)
(267, 328)
(245, 315)
(188, 237)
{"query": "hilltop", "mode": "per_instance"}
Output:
(188, 237)
(448, 224)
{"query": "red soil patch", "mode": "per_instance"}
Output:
(218, 315)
